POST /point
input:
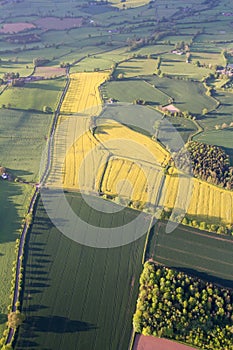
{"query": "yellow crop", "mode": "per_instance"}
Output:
(83, 94)
(113, 159)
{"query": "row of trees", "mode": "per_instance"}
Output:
(174, 305)
(209, 163)
(194, 222)
(15, 318)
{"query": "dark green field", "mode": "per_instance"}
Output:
(198, 253)
(78, 297)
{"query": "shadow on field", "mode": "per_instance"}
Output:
(56, 324)
(224, 283)
(3, 318)
(9, 218)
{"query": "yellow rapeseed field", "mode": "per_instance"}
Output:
(130, 144)
(83, 93)
(134, 181)
(207, 202)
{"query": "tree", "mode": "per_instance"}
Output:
(47, 109)
(15, 319)
(204, 111)
(120, 76)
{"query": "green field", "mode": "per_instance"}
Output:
(75, 296)
(195, 252)
(23, 137)
(132, 89)
(221, 115)
(174, 65)
(22, 140)
(136, 67)
(14, 201)
(188, 95)
(185, 127)
(26, 97)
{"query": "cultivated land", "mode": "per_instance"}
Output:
(129, 44)
(83, 93)
(207, 202)
(176, 250)
(76, 296)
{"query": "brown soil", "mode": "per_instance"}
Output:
(8, 28)
(49, 23)
(143, 342)
(49, 72)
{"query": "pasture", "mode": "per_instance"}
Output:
(185, 93)
(14, 200)
(174, 65)
(136, 67)
(132, 89)
(186, 249)
(26, 96)
(22, 140)
(76, 296)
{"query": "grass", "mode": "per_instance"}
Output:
(185, 127)
(223, 114)
(188, 95)
(136, 67)
(20, 66)
(22, 140)
(185, 249)
(26, 97)
(174, 65)
(14, 199)
(77, 296)
(130, 90)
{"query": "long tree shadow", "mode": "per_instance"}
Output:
(56, 324)
(10, 220)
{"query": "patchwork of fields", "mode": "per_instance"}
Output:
(105, 156)
(74, 296)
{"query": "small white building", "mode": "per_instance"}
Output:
(5, 176)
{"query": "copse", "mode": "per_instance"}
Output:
(173, 305)
(209, 163)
